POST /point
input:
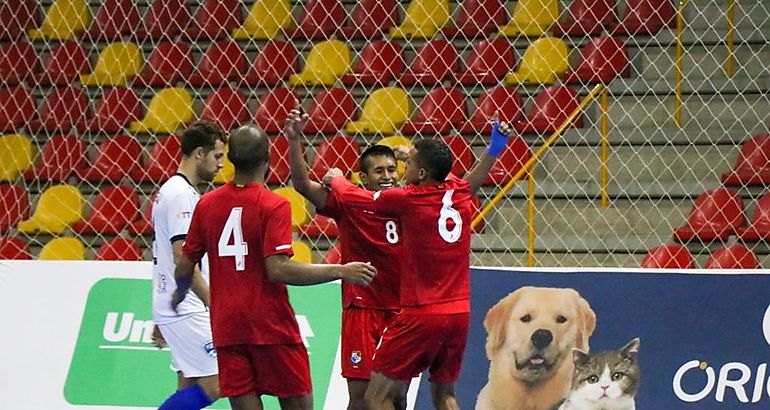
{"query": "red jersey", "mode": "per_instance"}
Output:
(435, 225)
(367, 237)
(239, 227)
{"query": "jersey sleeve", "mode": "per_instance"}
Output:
(194, 243)
(179, 215)
(332, 208)
(390, 202)
(277, 232)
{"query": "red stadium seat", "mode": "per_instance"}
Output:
(733, 257)
(433, 63)
(214, 20)
(114, 19)
(116, 158)
(162, 162)
(14, 206)
(646, 17)
(142, 224)
(379, 63)
(64, 109)
(113, 209)
(273, 108)
(16, 17)
(550, 109)
(475, 210)
(462, 152)
(370, 19)
(337, 152)
(514, 157)
(60, 158)
(14, 248)
(320, 227)
(17, 109)
(319, 20)
(601, 61)
(438, 112)
(226, 107)
(488, 62)
(477, 18)
(716, 214)
(753, 164)
(587, 18)
(115, 110)
(669, 256)
(222, 62)
(64, 64)
(275, 62)
(759, 227)
(333, 255)
(279, 161)
(18, 63)
(168, 64)
(330, 111)
(500, 102)
(164, 19)
(119, 249)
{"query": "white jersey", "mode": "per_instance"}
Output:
(171, 216)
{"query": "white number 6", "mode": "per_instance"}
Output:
(447, 213)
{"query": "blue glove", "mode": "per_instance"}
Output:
(497, 141)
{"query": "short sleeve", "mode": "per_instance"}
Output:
(277, 232)
(332, 207)
(179, 215)
(194, 243)
(389, 202)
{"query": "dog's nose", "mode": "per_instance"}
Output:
(541, 338)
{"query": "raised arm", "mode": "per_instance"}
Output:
(313, 191)
(498, 140)
(281, 269)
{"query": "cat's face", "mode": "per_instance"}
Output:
(607, 376)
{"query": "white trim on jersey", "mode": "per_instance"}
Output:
(282, 247)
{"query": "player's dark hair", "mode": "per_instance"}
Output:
(374, 151)
(201, 134)
(248, 149)
(435, 156)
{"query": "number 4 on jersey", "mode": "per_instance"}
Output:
(239, 249)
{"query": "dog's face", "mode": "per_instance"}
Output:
(533, 330)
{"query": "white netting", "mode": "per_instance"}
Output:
(93, 93)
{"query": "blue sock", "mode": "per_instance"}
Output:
(189, 398)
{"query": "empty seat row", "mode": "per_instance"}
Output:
(66, 248)
(676, 256)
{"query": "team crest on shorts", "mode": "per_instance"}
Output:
(356, 357)
(210, 350)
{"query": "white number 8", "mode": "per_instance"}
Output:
(239, 249)
(447, 213)
(391, 234)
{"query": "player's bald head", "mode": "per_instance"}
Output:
(249, 148)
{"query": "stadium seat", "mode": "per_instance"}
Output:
(476, 18)
(330, 111)
(273, 64)
(439, 111)
(16, 155)
(164, 19)
(226, 107)
(753, 164)
(513, 158)
(646, 17)
(326, 62)
(423, 19)
(64, 109)
(379, 63)
(57, 208)
(299, 206)
(462, 152)
(319, 20)
(501, 102)
(369, 20)
(114, 19)
(63, 249)
(115, 159)
(169, 110)
(602, 60)
(302, 252)
(117, 108)
(475, 210)
(222, 62)
(333, 255)
(336, 152)
(13, 248)
(733, 257)
(759, 226)
(117, 63)
(64, 20)
(544, 61)
(112, 210)
(61, 157)
(14, 206)
(119, 249)
(550, 109)
(142, 224)
(266, 19)
(279, 161)
(587, 18)
(168, 64)
(214, 20)
(162, 162)
(18, 63)
(17, 17)
(320, 227)
(383, 112)
(488, 62)
(63, 65)
(716, 214)
(531, 18)
(433, 63)
(18, 108)
(669, 256)
(273, 108)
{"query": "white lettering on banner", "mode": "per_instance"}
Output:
(304, 329)
(135, 330)
(766, 325)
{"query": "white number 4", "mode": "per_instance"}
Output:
(447, 213)
(239, 249)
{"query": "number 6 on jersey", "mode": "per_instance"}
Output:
(239, 249)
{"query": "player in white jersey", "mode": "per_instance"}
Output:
(187, 331)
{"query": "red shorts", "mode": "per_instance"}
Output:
(361, 332)
(414, 343)
(276, 370)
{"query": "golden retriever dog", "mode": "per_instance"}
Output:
(530, 337)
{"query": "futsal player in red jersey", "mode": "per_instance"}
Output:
(363, 237)
(434, 211)
(246, 231)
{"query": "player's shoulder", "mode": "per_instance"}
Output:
(176, 187)
(455, 182)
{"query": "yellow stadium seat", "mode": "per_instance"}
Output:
(531, 18)
(384, 111)
(65, 20)
(543, 62)
(16, 155)
(170, 109)
(226, 173)
(266, 19)
(117, 63)
(299, 206)
(63, 249)
(302, 252)
(423, 19)
(58, 207)
(325, 63)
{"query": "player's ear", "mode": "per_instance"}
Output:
(423, 174)
(363, 177)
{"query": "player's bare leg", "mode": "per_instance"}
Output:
(444, 396)
(297, 403)
(356, 394)
(251, 402)
(210, 385)
(384, 393)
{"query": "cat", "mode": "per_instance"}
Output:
(604, 381)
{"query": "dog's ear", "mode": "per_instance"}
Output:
(587, 323)
(496, 321)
